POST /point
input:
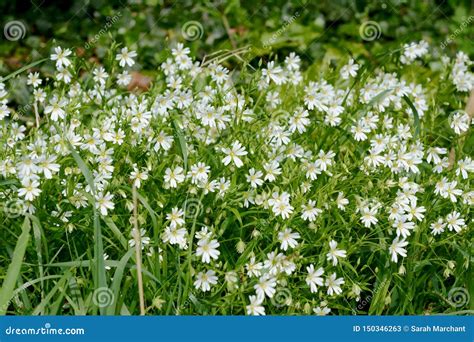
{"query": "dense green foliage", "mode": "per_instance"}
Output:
(396, 124)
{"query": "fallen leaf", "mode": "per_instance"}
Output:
(139, 81)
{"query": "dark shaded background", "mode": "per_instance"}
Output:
(315, 27)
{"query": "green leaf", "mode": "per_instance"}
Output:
(415, 115)
(237, 215)
(37, 233)
(183, 149)
(9, 182)
(379, 294)
(14, 269)
(19, 71)
(115, 287)
(147, 206)
(118, 234)
(380, 96)
(47, 303)
(99, 272)
(84, 169)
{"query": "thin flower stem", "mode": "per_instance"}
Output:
(35, 106)
(229, 31)
(227, 54)
(138, 251)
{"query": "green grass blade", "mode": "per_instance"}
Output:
(99, 272)
(19, 71)
(84, 169)
(380, 293)
(183, 149)
(416, 117)
(14, 269)
(37, 233)
(115, 287)
(9, 182)
(116, 231)
(380, 96)
(46, 303)
(147, 206)
(99, 256)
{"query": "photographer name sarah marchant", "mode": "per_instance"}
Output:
(438, 328)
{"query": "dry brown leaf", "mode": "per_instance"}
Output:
(451, 158)
(80, 52)
(13, 62)
(470, 104)
(139, 82)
